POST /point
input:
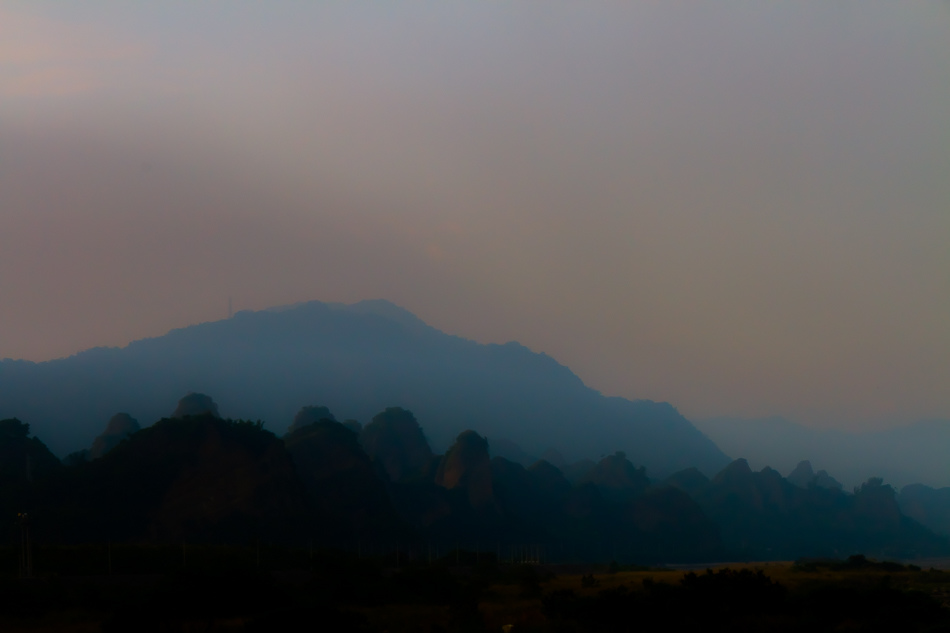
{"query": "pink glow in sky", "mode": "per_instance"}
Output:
(743, 209)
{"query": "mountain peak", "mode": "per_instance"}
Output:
(356, 360)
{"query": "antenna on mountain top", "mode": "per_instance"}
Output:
(230, 311)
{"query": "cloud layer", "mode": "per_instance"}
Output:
(742, 210)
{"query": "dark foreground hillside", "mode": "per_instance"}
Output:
(356, 359)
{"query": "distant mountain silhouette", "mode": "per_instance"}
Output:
(120, 426)
(929, 506)
(762, 515)
(196, 404)
(916, 453)
(804, 476)
(357, 360)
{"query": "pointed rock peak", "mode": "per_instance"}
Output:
(196, 404)
(770, 473)
(617, 473)
(469, 452)
(120, 426)
(740, 465)
(803, 474)
(824, 480)
(467, 465)
(310, 415)
(395, 439)
(737, 470)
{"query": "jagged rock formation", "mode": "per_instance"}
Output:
(903, 455)
(876, 509)
(395, 440)
(120, 426)
(765, 515)
(310, 415)
(803, 476)
(196, 404)
(351, 499)
(466, 466)
(199, 478)
(824, 480)
(614, 475)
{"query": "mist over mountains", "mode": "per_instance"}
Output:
(357, 360)
(916, 453)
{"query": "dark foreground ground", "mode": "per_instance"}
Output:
(182, 588)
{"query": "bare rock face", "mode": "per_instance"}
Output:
(310, 415)
(196, 404)
(120, 426)
(824, 480)
(342, 480)
(467, 466)
(802, 475)
(615, 474)
(875, 506)
(395, 440)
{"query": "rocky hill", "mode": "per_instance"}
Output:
(357, 360)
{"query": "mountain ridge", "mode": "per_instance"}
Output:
(358, 360)
(913, 453)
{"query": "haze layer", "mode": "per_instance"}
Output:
(738, 209)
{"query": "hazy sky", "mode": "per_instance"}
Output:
(740, 207)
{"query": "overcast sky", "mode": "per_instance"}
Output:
(740, 207)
